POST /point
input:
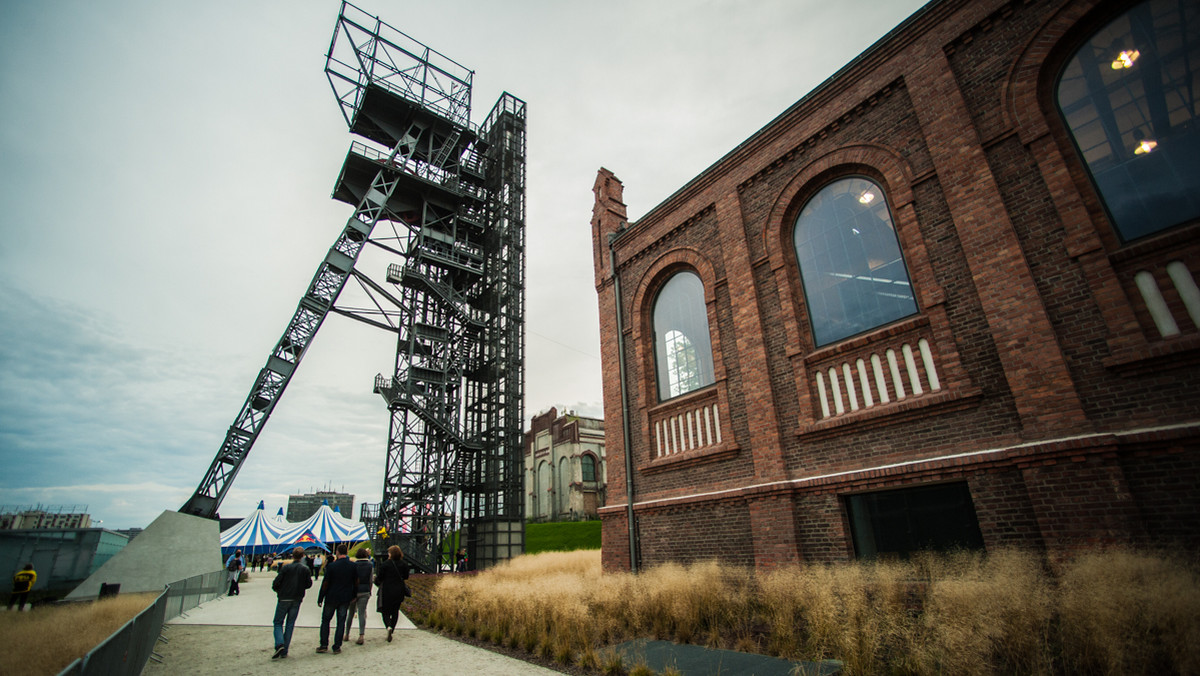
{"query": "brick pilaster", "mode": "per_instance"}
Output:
(1037, 375)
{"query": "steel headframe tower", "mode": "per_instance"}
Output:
(449, 200)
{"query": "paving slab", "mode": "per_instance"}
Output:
(694, 660)
(232, 636)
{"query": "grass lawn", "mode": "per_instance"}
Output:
(566, 536)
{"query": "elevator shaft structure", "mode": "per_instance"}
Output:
(445, 200)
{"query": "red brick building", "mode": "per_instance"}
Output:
(946, 299)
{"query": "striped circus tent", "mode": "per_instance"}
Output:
(280, 521)
(328, 526)
(255, 534)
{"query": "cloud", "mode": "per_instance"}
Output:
(166, 201)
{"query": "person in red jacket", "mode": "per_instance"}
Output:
(23, 582)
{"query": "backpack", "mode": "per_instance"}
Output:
(234, 564)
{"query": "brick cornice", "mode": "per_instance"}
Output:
(1066, 449)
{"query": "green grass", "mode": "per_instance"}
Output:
(565, 536)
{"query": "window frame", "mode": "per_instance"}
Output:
(1054, 101)
(705, 372)
(868, 514)
(886, 203)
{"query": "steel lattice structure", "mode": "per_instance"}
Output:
(447, 201)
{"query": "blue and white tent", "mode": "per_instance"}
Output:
(327, 526)
(255, 534)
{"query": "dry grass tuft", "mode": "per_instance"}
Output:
(959, 613)
(986, 614)
(48, 638)
(1124, 612)
(613, 664)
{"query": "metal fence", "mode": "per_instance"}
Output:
(131, 646)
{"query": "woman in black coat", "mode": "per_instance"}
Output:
(390, 577)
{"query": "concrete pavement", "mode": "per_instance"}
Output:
(232, 635)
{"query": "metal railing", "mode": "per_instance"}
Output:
(131, 646)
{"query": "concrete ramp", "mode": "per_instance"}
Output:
(174, 547)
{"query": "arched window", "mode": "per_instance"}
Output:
(587, 465)
(850, 262)
(682, 348)
(1131, 99)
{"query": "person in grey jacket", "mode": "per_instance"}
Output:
(289, 585)
(365, 570)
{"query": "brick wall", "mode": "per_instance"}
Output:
(1071, 420)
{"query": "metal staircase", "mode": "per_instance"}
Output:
(452, 197)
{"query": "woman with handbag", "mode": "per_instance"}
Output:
(390, 577)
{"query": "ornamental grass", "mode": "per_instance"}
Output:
(46, 639)
(1007, 612)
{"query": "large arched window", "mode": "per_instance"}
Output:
(1131, 99)
(682, 347)
(854, 275)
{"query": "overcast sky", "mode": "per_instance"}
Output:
(167, 168)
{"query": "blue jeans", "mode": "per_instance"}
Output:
(327, 612)
(285, 609)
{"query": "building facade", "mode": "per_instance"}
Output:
(947, 299)
(564, 467)
(300, 507)
(44, 516)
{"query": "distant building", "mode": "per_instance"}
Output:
(130, 533)
(300, 507)
(62, 557)
(19, 517)
(564, 467)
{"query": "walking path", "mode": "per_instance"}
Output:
(232, 635)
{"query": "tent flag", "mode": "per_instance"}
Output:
(305, 540)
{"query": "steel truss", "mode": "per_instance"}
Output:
(449, 200)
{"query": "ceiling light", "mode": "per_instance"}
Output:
(866, 197)
(1146, 145)
(1125, 59)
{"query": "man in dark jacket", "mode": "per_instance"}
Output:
(338, 589)
(289, 586)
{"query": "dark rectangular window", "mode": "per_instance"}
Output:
(895, 523)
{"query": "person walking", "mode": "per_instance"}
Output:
(337, 591)
(364, 570)
(23, 582)
(289, 585)
(392, 589)
(234, 564)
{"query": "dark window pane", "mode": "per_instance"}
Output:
(897, 523)
(589, 468)
(1131, 99)
(854, 275)
(682, 348)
